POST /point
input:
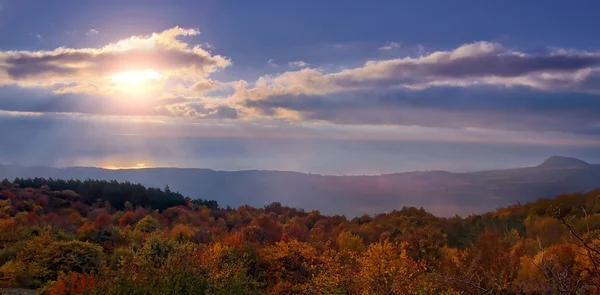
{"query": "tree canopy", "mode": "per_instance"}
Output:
(107, 237)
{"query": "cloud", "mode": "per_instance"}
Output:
(200, 111)
(162, 52)
(420, 49)
(298, 64)
(484, 107)
(44, 101)
(479, 63)
(477, 85)
(271, 62)
(390, 46)
(92, 32)
(204, 85)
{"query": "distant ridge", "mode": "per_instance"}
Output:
(563, 162)
(440, 192)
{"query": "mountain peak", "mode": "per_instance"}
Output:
(563, 162)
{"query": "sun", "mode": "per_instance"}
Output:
(135, 80)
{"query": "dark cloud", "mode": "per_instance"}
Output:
(449, 107)
(28, 65)
(407, 72)
(503, 65)
(224, 112)
(13, 98)
(29, 69)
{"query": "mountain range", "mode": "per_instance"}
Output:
(440, 192)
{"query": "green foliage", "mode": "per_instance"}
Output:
(211, 204)
(116, 193)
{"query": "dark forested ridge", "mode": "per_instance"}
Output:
(114, 192)
(100, 237)
(440, 192)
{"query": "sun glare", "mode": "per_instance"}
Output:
(136, 166)
(135, 79)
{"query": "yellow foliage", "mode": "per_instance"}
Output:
(349, 243)
(385, 268)
(182, 232)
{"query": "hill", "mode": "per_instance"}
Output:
(443, 193)
(97, 237)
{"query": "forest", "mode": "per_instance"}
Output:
(64, 237)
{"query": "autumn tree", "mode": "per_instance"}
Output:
(147, 224)
(385, 268)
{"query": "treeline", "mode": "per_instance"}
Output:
(115, 192)
(105, 237)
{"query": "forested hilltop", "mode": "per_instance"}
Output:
(108, 237)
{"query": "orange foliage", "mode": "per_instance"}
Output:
(127, 219)
(73, 284)
(182, 232)
(85, 230)
(7, 224)
(234, 239)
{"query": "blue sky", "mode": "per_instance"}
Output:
(341, 87)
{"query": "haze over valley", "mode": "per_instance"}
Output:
(440, 192)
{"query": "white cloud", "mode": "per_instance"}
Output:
(271, 62)
(85, 67)
(420, 49)
(478, 63)
(390, 46)
(298, 64)
(91, 32)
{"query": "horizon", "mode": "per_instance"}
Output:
(143, 167)
(211, 84)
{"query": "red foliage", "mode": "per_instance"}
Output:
(103, 219)
(74, 284)
(264, 229)
(30, 219)
(42, 201)
(8, 194)
(75, 219)
(51, 218)
(129, 218)
(80, 207)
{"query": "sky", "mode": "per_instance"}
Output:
(332, 87)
